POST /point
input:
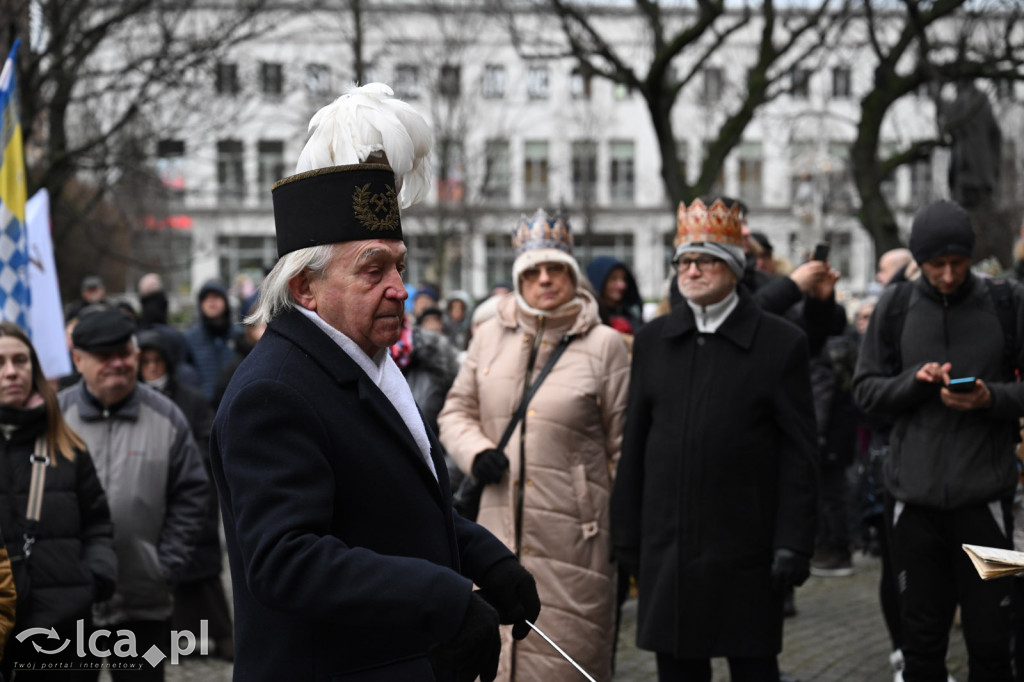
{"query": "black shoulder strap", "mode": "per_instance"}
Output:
(1002, 295)
(521, 410)
(892, 327)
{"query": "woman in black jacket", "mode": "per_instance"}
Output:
(70, 562)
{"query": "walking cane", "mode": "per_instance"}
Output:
(559, 650)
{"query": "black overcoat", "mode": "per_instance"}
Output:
(346, 558)
(718, 469)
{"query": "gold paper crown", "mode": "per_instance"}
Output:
(542, 232)
(717, 223)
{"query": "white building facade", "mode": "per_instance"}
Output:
(515, 133)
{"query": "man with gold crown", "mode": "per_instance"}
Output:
(715, 497)
(347, 560)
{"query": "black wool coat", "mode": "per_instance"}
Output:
(347, 560)
(718, 469)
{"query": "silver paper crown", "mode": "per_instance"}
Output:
(542, 232)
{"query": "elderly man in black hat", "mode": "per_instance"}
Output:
(347, 558)
(151, 470)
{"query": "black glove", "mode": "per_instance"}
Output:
(474, 649)
(512, 590)
(628, 559)
(789, 569)
(489, 466)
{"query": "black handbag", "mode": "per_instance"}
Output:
(466, 499)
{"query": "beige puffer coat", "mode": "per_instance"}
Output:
(573, 436)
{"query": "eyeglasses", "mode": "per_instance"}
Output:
(703, 263)
(552, 269)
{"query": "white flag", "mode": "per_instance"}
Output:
(46, 316)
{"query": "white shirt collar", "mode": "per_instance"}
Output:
(710, 317)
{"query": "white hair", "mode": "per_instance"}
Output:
(275, 296)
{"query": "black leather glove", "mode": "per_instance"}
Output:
(511, 589)
(489, 466)
(789, 569)
(474, 649)
(628, 559)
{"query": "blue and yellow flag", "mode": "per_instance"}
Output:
(15, 297)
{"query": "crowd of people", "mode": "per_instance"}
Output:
(710, 456)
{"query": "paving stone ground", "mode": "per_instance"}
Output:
(837, 636)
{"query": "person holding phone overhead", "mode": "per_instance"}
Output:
(951, 469)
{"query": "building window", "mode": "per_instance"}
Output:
(249, 255)
(751, 169)
(271, 167)
(579, 84)
(497, 170)
(799, 83)
(450, 172)
(584, 172)
(618, 245)
(226, 78)
(537, 82)
(494, 81)
(921, 182)
(1005, 90)
(500, 257)
(841, 87)
(1010, 185)
(230, 171)
(170, 167)
(622, 173)
(450, 83)
(535, 172)
(683, 153)
(407, 81)
(718, 186)
(271, 78)
(318, 79)
(714, 83)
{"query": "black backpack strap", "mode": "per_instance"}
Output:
(1002, 295)
(892, 326)
(532, 389)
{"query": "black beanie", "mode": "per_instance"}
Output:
(941, 228)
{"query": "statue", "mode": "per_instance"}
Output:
(974, 168)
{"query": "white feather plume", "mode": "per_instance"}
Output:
(369, 119)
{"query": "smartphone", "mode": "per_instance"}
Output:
(820, 251)
(963, 385)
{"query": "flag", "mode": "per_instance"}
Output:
(46, 320)
(14, 287)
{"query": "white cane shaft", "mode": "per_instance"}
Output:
(559, 650)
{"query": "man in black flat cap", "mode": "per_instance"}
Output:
(151, 470)
(348, 561)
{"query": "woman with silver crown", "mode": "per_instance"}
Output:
(548, 475)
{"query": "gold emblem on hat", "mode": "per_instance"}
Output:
(377, 212)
